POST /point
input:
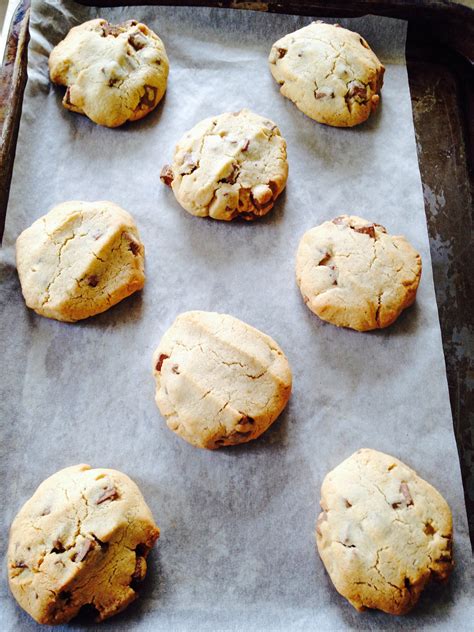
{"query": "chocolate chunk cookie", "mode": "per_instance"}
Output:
(351, 273)
(218, 380)
(79, 260)
(113, 73)
(228, 166)
(80, 541)
(384, 533)
(330, 73)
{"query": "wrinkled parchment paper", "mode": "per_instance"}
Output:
(237, 550)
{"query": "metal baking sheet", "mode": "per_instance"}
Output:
(237, 549)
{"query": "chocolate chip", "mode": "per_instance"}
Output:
(161, 359)
(58, 547)
(112, 29)
(325, 259)
(83, 550)
(281, 52)
(365, 230)
(137, 40)
(92, 280)
(189, 165)
(20, 564)
(363, 42)
(46, 511)
(175, 368)
(233, 175)
(148, 98)
(348, 504)
(324, 94)
(246, 146)
(406, 493)
(139, 573)
(357, 90)
(429, 530)
(134, 247)
(166, 175)
(109, 494)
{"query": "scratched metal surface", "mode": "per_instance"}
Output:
(440, 96)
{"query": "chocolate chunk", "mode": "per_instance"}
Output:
(324, 94)
(281, 52)
(58, 547)
(357, 90)
(166, 175)
(148, 98)
(365, 230)
(139, 572)
(137, 40)
(189, 165)
(92, 280)
(109, 494)
(112, 29)
(20, 564)
(347, 503)
(83, 550)
(134, 247)
(233, 175)
(325, 259)
(161, 359)
(429, 530)
(246, 146)
(406, 492)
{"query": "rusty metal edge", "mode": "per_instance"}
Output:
(13, 75)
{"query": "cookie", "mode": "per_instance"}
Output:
(228, 166)
(79, 260)
(219, 381)
(351, 273)
(113, 73)
(330, 73)
(384, 533)
(80, 542)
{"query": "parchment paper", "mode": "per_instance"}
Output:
(237, 550)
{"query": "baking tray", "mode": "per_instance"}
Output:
(440, 62)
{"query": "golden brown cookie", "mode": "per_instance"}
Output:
(219, 381)
(384, 533)
(80, 541)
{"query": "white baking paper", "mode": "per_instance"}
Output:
(237, 550)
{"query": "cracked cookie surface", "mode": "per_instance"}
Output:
(79, 260)
(351, 273)
(384, 533)
(80, 541)
(228, 166)
(218, 380)
(330, 73)
(113, 73)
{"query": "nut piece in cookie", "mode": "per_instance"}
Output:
(330, 73)
(229, 166)
(352, 273)
(384, 533)
(219, 381)
(80, 542)
(113, 73)
(79, 260)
